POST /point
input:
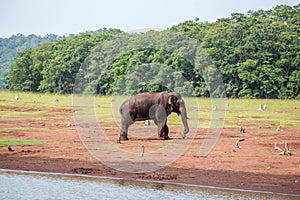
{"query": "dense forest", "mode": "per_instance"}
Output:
(257, 55)
(9, 48)
(17, 43)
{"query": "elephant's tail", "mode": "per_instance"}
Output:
(124, 107)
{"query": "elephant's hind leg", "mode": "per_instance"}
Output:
(125, 123)
(128, 118)
(124, 130)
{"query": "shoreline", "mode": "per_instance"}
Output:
(141, 182)
(236, 180)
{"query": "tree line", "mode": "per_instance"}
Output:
(17, 43)
(257, 55)
(9, 48)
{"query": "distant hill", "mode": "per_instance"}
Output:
(9, 48)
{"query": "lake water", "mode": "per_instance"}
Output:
(31, 185)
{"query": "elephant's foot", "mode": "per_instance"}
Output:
(123, 137)
(163, 133)
(164, 137)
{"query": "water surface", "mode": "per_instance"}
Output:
(27, 185)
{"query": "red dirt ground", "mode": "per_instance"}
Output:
(255, 166)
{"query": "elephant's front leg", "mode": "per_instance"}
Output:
(166, 132)
(163, 131)
(161, 121)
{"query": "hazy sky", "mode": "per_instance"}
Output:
(71, 16)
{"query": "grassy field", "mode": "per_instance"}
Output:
(29, 106)
(16, 142)
(237, 112)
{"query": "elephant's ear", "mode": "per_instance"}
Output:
(172, 100)
(171, 104)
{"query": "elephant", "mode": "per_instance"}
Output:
(152, 105)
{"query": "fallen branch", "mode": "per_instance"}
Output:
(237, 143)
(242, 130)
(143, 151)
(277, 148)
(285, 151)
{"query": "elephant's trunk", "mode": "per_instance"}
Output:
(184, 117)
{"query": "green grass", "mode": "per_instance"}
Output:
(19, 142)
(24, 129)
(278, 112)
(31, 104)
(35, 100)
(13, 115)
(238, 112)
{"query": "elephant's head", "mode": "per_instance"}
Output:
(178, 106)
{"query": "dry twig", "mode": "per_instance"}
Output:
(237, 143)
(285, 151)
(242, 130)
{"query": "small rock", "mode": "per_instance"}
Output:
(242, 130)
(10, 149)
(278, 128)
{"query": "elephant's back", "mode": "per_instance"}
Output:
(146, 99)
